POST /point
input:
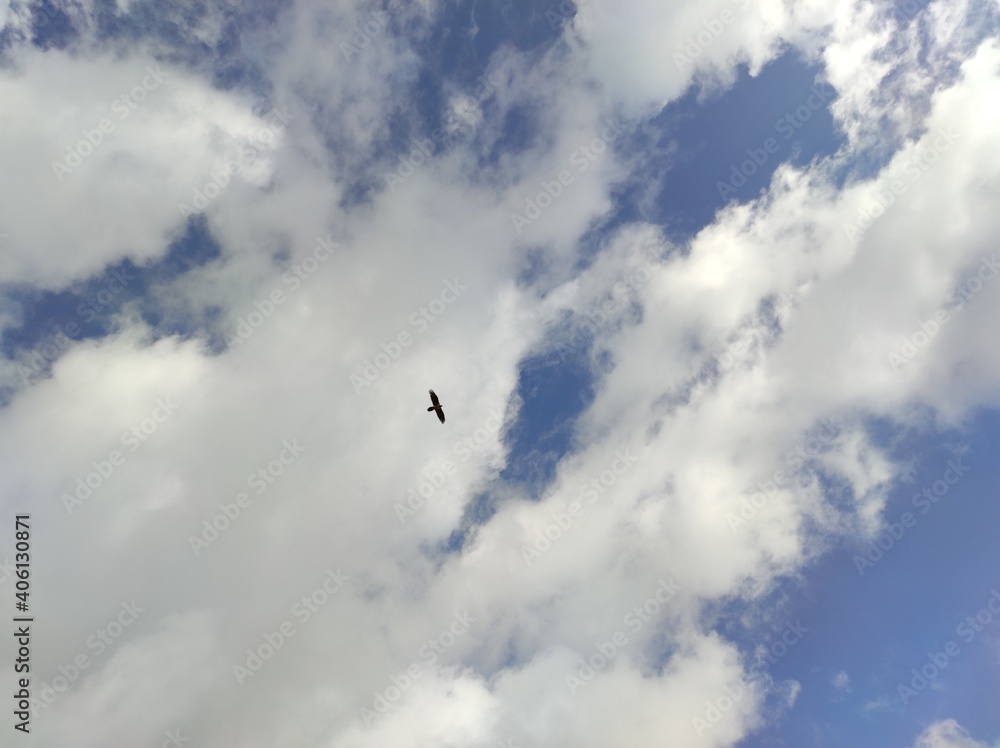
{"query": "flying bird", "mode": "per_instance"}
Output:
(436, 406)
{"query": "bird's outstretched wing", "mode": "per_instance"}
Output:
(436, 407)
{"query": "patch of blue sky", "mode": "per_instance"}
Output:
(706, 154)
(233, 58)
(88, 306)
(697, 156)
(453, 56)
(911, 13)
(898, 83)
(51, 26)
(713, 134)
(466, 35)
(877, 623)
(553, 391)
(477, 513)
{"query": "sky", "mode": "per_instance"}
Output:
(706, 290)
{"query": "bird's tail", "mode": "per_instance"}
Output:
(430, 409)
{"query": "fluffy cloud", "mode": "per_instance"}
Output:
(91, 135)
(947, 734)
(700, 462)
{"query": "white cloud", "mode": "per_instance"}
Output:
(842, 681)
(947, 733)
(92, 135)
(665, 516)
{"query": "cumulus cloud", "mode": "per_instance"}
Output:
(719, 418)
(947, 734)
(105, 129)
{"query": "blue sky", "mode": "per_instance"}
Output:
(908, 603)
(239, 243)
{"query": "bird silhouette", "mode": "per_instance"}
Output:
(436, 406)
